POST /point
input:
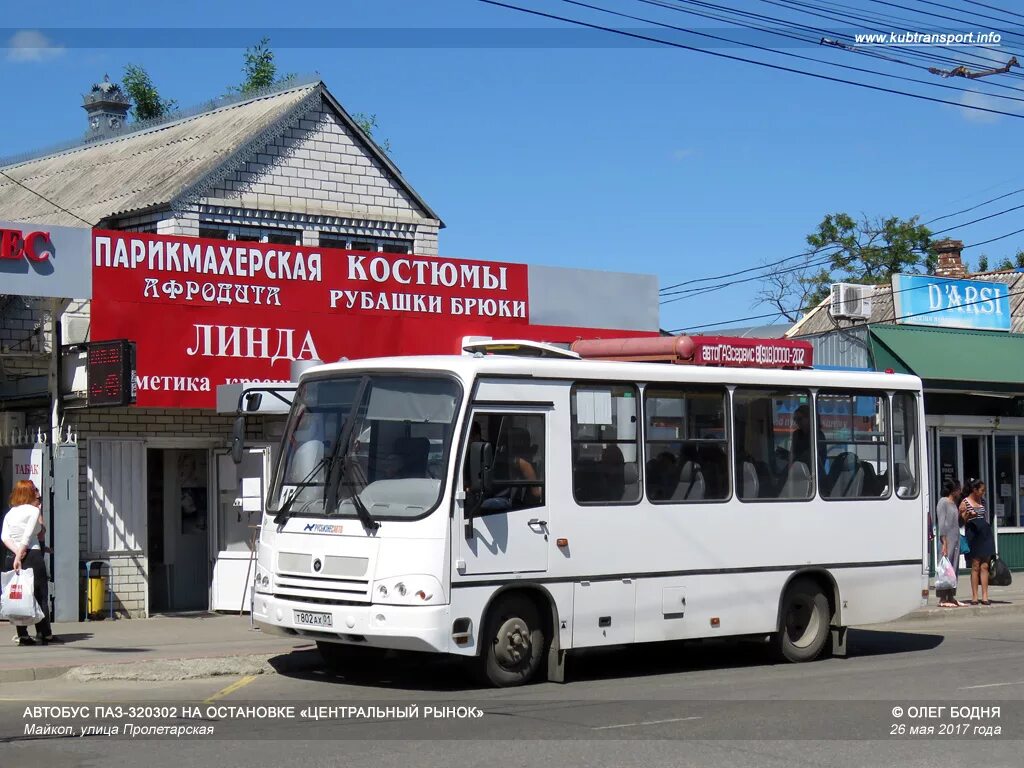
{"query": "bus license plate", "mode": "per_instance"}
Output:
(313, 619)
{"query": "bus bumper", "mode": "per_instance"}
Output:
(406, 628)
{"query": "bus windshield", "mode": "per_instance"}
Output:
(366, 445)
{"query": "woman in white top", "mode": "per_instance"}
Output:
(22, 534)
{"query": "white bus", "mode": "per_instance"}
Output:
(510, 508)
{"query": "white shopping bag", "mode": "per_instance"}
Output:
(18, 602)
(945, 576)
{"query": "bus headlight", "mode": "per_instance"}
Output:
(264, 579)
(408, 590)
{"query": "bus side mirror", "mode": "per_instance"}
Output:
(481, 476)
(238, 439)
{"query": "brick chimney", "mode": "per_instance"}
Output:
(949, 262)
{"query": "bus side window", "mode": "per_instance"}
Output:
(854, 441)
(904, 444)
(605, 443)
(774, 444)
(517, 469)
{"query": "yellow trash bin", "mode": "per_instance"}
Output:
(97, 595)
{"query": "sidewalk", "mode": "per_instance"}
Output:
(1004, 600)
(166, 647)
(205, 645)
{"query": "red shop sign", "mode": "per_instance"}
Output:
(34, 246)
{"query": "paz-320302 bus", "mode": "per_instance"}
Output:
(511, 507)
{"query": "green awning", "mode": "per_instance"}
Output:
(950, 358)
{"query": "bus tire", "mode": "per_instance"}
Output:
(349, 660)
(803, 621)
(513, 644)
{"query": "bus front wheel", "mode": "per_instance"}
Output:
(804, 625)
(513, 643)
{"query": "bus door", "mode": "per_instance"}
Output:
(503, 520)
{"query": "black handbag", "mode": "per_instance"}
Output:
(999, 574)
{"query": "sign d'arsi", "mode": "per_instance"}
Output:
(946, 303)
(209, 312)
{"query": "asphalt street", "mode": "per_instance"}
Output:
(669, 704)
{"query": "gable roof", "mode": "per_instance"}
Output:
(165, 162)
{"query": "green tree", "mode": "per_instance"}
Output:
(982, 263)
(1020, 259)
(845, 250)
(259, 68)
(146, 101)
(1006, 263)
(368, 124)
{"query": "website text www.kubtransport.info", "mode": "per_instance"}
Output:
(903, 38)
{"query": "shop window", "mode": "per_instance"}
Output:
(905, 447)
(213, 233)
(685, 445)
(775, 453)
(853, 445)
(285, 238)
(605, 444)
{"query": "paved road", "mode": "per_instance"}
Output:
(672, 705)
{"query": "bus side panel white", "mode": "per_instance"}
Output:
(676, 608)
(874, 595)
(604, 613)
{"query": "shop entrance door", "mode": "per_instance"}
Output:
(963, 456)
(178, 511)
(241, 490)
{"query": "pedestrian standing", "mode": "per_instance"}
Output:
(980, 539)
(948, 530)
(22, 534)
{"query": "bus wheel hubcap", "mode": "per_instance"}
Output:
(513, 644)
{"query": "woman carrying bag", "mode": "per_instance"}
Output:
(22, 535)
(980, 538)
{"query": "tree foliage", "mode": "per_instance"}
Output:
(368, 124)
(259, 68)
(845, 250)
(146, 101)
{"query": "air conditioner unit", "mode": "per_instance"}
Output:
(852, 301)
(74, 329)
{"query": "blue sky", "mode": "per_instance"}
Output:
(619, 157)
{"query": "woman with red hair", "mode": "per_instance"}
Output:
(22, 534)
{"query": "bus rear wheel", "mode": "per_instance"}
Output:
(513, 643)
(804, 626)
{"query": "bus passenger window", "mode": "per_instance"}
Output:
(605, 444)
(774, 444)
(684, 431)
(855, 445)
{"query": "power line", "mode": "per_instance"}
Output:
(974, 207)
(865, 325)
(789, 54)
(730, 57)
(44, 197)
(993, 8)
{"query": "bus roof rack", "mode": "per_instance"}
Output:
(731, 351)
(516, 348)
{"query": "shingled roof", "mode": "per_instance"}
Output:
(157, 165)
(820, 320)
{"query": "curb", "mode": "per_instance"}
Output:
(996, 609)
(171, 670)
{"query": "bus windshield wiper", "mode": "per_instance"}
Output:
(336, 475)
(283, 512)
(361, 511)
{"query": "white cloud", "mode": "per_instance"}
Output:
(31, 45)
(975, 99)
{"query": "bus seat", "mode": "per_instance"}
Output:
(691, 483)
(906, 483)
(873, 482)
(798, 482)
(630, 476)
(750, 487)
(613, 473)
(842, 474)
